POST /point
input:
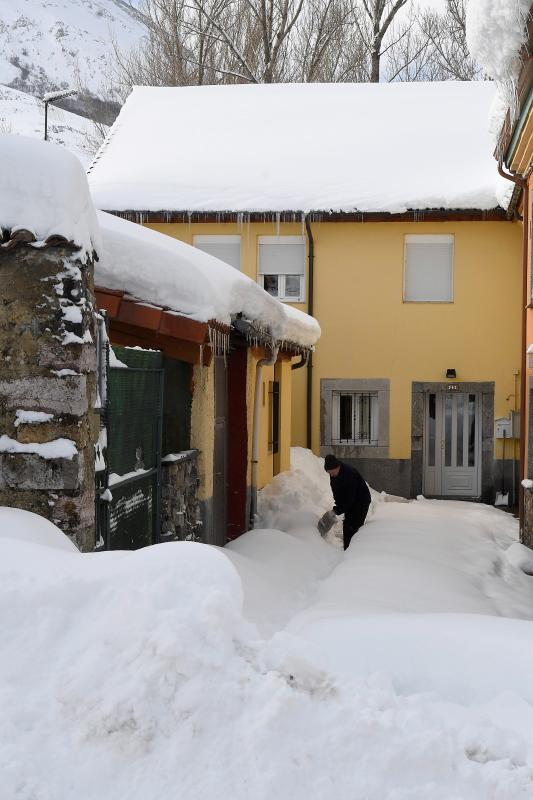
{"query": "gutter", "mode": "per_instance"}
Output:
(518, 128)
(264, 362)
(310, 309)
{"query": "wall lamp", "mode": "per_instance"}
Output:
(451, 374)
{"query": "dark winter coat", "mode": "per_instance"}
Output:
(350, 491)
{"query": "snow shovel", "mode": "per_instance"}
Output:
(326, 522)
(502, 498)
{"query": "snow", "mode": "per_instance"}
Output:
(31, 417)
(190, 282)
(114, 361)
(527, 483)
(276, 667)
(22, 114)
(496, 31)
(43, 188)
(50, 44)
(114, 478)
(300, 147)
(64, 373)
(57, 448)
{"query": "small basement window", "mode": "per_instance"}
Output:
(226, 248)
(355, 418)
(428, 269)
(281, 267)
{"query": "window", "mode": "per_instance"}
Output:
(227, 248)
(281, 267)
(355, 418)
(428, 269)
(273, 417)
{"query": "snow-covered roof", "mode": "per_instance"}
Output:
(496, 31)
(165, 272)
(300, 147)
(43, 189)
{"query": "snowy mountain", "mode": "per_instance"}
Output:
(54, 44)
(23, 114)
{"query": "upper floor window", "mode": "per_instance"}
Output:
(428, 268)
(281, 266)
(225, 247)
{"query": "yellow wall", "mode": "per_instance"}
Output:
(369, 332)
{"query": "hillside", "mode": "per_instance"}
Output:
(63, 43)
(23, 114)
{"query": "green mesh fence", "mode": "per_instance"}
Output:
(134, 446)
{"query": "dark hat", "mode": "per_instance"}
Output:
(331, 462)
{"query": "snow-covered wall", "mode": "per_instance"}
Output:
(43, 189)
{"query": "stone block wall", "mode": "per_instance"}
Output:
(47, 365)
(526, 534)
(180, 510)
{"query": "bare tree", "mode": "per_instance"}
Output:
(446, 35)
(266, 41)
(379, 16)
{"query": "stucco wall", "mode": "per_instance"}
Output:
(369, 332)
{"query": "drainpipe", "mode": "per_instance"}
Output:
(310, 309)
(522, 182)
(264, 362)
(304, 360)
(523, 366)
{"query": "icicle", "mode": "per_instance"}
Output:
(303, 223)
(278, 216)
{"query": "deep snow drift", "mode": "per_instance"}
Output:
(277, 667)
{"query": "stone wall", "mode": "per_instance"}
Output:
(180, 510)
(47, 365)
(526, 534)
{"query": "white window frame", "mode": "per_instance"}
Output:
(373, 440)
(219, 238)
(415, 238)
(282, 294)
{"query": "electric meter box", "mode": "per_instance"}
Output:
(503, 428)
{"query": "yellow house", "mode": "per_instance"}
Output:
(376, 208)
(224, 348)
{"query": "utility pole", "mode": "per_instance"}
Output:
(51, 97)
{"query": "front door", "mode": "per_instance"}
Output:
(452, 445)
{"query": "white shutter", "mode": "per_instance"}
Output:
(428, 268)
(226, 248)
(281, 255)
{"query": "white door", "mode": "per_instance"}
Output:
(452, 445)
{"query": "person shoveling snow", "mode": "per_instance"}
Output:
(352, 498)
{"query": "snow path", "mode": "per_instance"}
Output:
(397, 671)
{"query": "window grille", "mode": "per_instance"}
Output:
(355, 418)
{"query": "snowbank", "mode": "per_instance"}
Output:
(137, 675)
(43, 189)
(301, 495)
(300, 147)
(190, 282)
